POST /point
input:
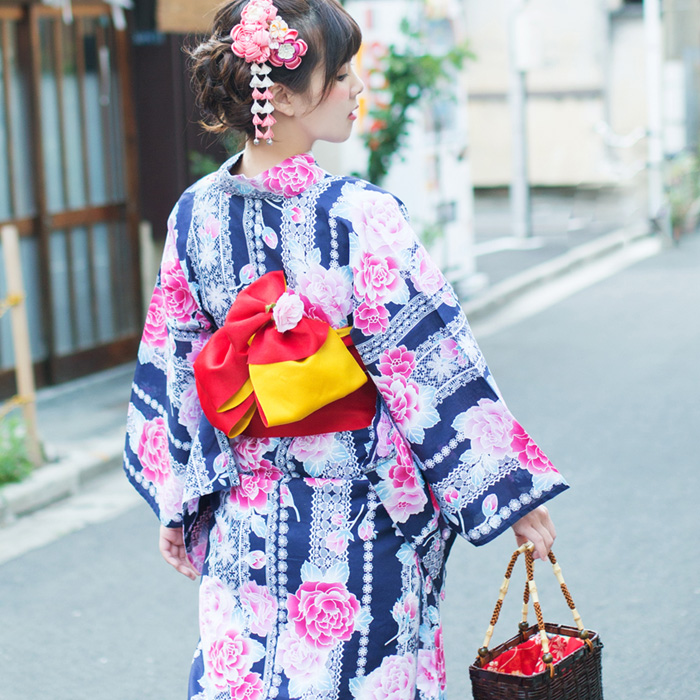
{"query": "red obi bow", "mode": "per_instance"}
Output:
(255, 378)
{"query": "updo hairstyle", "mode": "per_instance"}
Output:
(221, 80)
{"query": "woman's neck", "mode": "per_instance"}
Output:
(258, 159)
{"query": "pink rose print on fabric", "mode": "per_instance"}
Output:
(288, 311)
(327, 294)
(395, 679)
(379, 223)
(293, 176)
(300, 660)
(190, 409)
(451, 496)
(169, 498)
(407, 607)
(366, 530)
(528, 453)
(216, 605)
(404, 496)
(312, 448)
(197, 344)
(297, 215)
(384, 430)
(401, 396)
(426, 277)
(398, 360)
(371, 319)
(155, 332)
(431, 678)
(449, 350)
(248, 687)
(377, 278)
(228, 658)
(337, 541)
(179, 302)
(255, 559)
(212, 226)
(254, 486)
(261, 606)
(270, 237)
(153, 451)
(249, 451)
(323, 613)
(489, 426)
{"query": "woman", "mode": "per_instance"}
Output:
(312, 420)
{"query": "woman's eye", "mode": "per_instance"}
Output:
(342, 76)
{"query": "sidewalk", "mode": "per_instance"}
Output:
(82, 423)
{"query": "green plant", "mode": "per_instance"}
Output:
(14, 460)
(683, 191)
(202, 164)
(412, 75)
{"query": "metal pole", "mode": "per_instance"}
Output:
(653, 33)
(517, 97)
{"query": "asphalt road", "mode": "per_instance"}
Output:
(606, 380)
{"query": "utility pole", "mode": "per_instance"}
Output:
(517, 97)
(653, 31)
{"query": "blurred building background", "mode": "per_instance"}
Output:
(98, 133)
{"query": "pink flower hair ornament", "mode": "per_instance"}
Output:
(263, 37)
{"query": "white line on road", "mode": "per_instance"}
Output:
(105, 498)
(549, 293)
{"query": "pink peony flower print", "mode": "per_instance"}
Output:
(297, 215)
(249, 451)
(255, 559)
(323, 613)
(298, 659)
(270, 237)
(190, 409)
(169, 497)
(398, 360)
(449, 350)
(366, 530)
(254, 486)
(293, 176)
(337, 541)
(247, 687)
(371, 319)
(261, 606)
(426, 277)
(155, 331)
(377, 278)
(527, 451)
(197, 344)
(406, 607)
(288, 311)
(401, 396)
(384, 431)
(212, 226)
(153, 450)
(395, 679)
(431, 677)
(451, 496)
(179, 302)
(228, 658)
(379, 223)
(312, 448)
(216, 605)
(406, 494)
(488, 425)
(327, 294)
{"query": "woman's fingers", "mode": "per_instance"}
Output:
(538, 528)
(172, 549)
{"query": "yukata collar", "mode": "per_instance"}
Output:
(289, 178)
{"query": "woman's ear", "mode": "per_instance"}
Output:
(283, 100)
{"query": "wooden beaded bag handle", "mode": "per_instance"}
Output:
(531, 592)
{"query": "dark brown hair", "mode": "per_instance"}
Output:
(221, 79)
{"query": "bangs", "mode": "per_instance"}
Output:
(340, 37)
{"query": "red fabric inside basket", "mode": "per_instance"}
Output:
(525, 659)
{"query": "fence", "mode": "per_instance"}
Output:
(14, 303)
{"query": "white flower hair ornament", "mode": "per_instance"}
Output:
(262, 38)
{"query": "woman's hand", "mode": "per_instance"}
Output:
(538, 528)
(172, 547)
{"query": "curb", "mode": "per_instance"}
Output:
(502, 293)
(58, 480)
(69, 475)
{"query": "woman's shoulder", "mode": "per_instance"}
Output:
(358, 189)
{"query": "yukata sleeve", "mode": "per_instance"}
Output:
(164, 409)
(482, 467)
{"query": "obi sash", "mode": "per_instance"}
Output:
(253, 378)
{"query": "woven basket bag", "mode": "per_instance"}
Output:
(575, 677)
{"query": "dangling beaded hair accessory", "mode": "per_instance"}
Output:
(262, 38)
